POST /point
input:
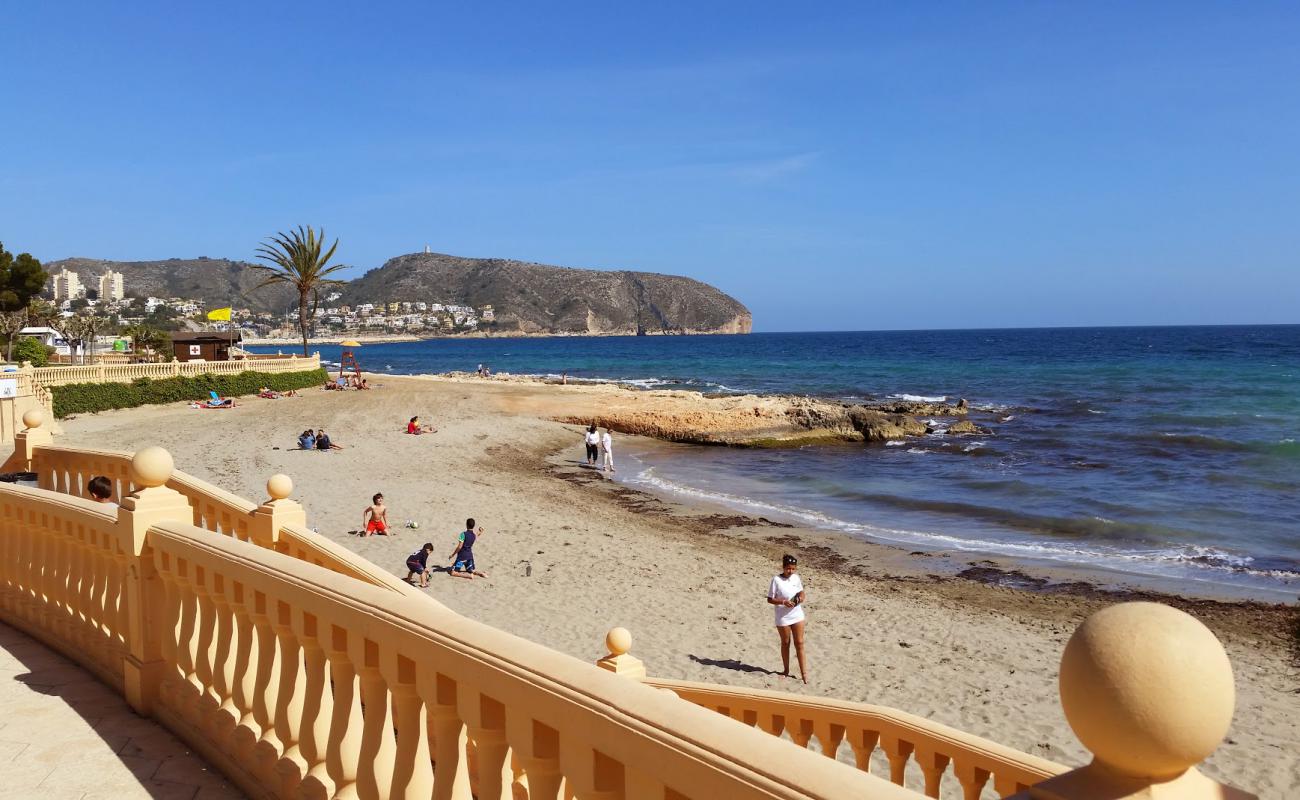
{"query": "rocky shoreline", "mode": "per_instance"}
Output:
(751, 420)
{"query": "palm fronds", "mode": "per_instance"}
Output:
(296, 258)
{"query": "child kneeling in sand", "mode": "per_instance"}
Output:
(418, 564)
(375, 517)
(462, 558)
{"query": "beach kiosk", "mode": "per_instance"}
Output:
(203, 345)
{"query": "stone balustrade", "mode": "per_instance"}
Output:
(125, 373)
(300, 673)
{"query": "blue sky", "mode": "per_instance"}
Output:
(854, 166)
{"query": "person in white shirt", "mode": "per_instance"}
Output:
(787, 593)
(607, 444)
(592, 439)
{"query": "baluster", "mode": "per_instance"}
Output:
(377, 744)
(485, 720)
(801, 732)
(247, 730)
(288, 714)
(829, 736)
(266, 691)
(205, 652)
(344, 745)
(971, 778)
(222, 720)
(1005, 784)
(537, 748)
(413, 772)
(863, 744)
(187, 646)
(172, 673)
(588, 773)
(76, 590)
(450, 764)
(932, 764)
(897, 751)
(318, 712)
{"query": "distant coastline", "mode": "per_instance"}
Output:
(339, 338)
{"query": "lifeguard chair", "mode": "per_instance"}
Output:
(349, 360)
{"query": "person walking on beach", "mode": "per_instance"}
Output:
(418, 564)
(462, 558)
(607, 445)
(592, 438)
(786, 592)
(375, 518)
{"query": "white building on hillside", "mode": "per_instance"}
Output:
(67, 285)
(111, 287)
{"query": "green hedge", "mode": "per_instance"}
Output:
(82, 398)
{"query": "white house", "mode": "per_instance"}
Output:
(51, 338)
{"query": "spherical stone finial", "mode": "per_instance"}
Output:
(33, 418)
(619, 641)
(1147, 688)
(279, 486)
(152, 466)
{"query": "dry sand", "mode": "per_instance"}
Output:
(688, 583)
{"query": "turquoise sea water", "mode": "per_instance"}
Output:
(1170, 453)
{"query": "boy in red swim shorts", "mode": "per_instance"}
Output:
(375, 518)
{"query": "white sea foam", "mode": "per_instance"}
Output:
(1095, 411)
(919, 398)
(972, 447)
(1196, 563)
(895, 444)
(920, 450)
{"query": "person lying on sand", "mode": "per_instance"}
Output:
(415, 428)
(462, 558)
(418, 564)
(375, 518)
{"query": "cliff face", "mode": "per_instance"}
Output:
(536, 298)
(527, 298)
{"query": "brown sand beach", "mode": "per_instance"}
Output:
(570, 554)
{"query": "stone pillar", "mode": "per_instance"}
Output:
(1148, 689)
(276, 512)
(151, 468)
(619, 642)
(26, 441)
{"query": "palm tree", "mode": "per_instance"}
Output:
(295, 258)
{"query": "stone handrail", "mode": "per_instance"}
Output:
(124, 373)
(300, 680)
(279, 525)
(902, 737)
(297, 681)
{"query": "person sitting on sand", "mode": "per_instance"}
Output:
(100, 489)
(307, 440)
(418, 564)
(323, 442)
(375, 518)
(786, 592)
(415, 428)
(462, 558)
(363, 384)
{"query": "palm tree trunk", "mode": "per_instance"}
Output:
(302, 320)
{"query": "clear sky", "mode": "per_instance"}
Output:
(834, 166)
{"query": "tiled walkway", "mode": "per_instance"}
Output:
(66, 736)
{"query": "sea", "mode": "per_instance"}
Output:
(1157, 455)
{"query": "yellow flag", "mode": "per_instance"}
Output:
(221, 314)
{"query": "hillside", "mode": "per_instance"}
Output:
(215, 281)
(536, 298)
(528, 298)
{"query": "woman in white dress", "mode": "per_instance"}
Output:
(786, 592)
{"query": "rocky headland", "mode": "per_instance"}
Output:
(741, 420)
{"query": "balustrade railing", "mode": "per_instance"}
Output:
(903, 738)
(301, 678)
(124, 373)
(68, 470)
